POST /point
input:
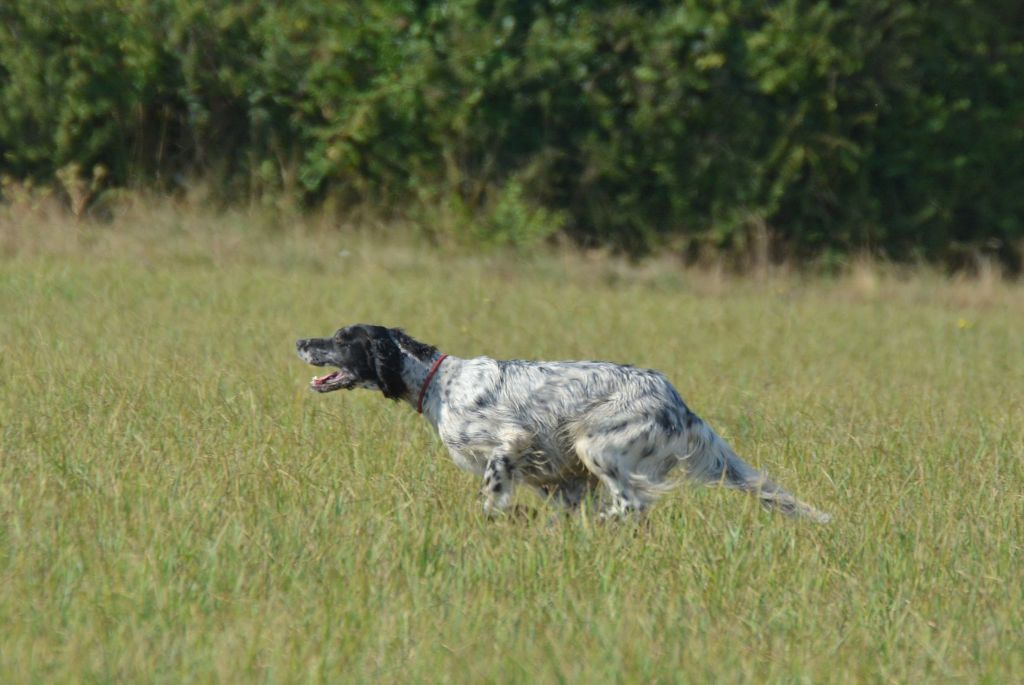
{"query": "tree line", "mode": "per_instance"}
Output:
(814, 127)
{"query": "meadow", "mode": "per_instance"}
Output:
(176, 506)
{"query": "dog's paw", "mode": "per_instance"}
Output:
(517, 512)
(521, 512)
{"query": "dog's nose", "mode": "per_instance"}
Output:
(301, 344)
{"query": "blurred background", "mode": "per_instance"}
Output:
(794, 131)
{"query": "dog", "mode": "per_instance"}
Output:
(562, 428)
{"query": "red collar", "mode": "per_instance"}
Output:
(426, 383)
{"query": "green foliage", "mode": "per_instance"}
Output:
(509, 219)
(872, 124)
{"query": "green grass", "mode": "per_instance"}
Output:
(175, 506)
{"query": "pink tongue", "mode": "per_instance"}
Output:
(320, 380)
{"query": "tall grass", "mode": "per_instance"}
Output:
(175, 506)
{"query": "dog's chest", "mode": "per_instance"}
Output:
(469, 445)
(515, 407)
(535, 455)
(468, 459)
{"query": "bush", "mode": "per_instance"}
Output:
(872, 124)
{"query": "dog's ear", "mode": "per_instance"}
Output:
(387, 361)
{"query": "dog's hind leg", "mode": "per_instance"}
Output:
(631, 491)
(626, 501)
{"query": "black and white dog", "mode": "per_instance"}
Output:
(560, 427)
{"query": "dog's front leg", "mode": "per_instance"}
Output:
(497, 489)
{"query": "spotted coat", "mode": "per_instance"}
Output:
(565, 429)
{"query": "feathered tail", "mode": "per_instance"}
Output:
(709, 459)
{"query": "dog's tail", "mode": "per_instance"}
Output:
(710, 460)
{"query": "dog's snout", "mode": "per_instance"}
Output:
(311, 350)
(304, 348)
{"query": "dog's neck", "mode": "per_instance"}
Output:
(415, 373)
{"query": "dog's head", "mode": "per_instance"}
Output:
(365, 356)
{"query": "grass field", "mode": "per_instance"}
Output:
(175, 506)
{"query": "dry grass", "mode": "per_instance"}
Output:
(175, 506)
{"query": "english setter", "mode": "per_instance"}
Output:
(559, 427)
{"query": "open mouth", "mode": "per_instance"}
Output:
(336, 380)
